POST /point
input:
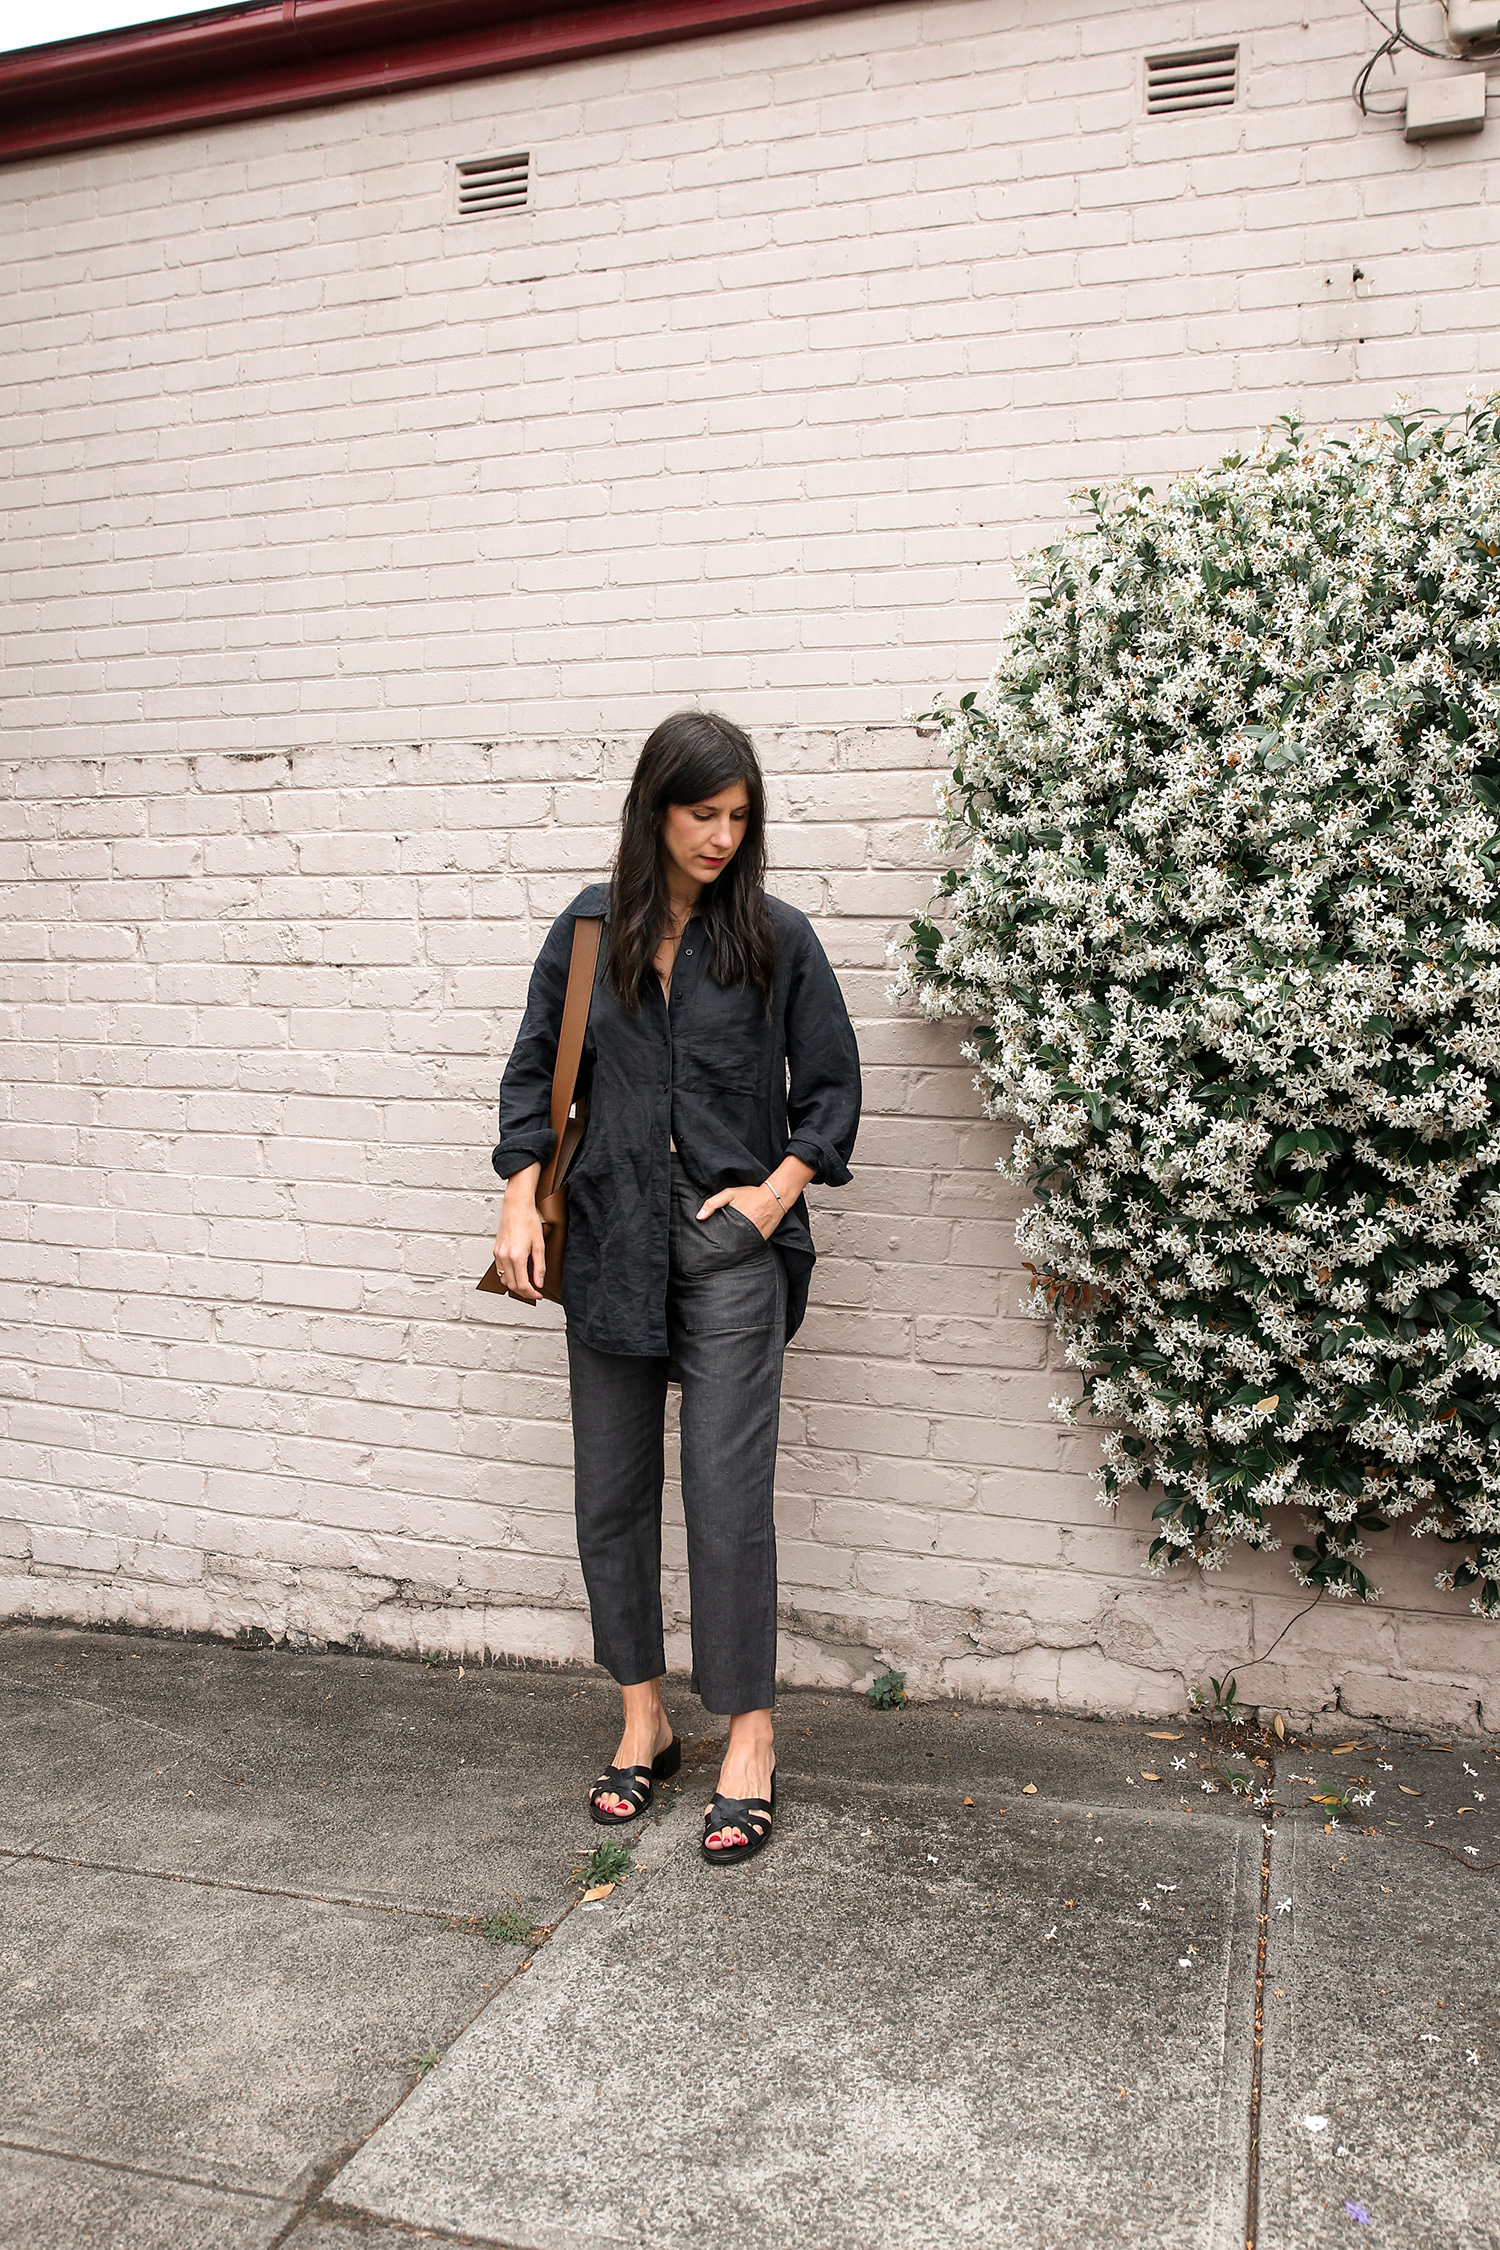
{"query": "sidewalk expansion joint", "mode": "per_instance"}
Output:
(208, 2185)
(1263, 1922)
(448, 1918)
(657, 1841)
(310, 2204)
(362, 2222)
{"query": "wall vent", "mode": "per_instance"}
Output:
(493, 183)
(1204, 78)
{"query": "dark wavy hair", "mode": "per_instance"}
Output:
(689, 757)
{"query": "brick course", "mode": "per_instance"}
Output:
(350, 552)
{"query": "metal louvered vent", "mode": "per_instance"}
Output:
(1206, 78)
(492, 183)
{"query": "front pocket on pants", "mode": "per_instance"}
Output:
(754, 1239)
(726, 1238)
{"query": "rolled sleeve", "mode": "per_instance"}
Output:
(823, 1094)
(526, 1135)
(822, 1159)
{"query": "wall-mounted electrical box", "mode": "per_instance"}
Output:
(1472, 21)
(1439, 108)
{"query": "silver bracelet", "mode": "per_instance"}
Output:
(766, 1183)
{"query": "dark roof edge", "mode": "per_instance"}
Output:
(296, 54)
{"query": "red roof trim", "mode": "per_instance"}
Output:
(295, 54)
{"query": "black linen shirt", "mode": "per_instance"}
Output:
(735, 1089)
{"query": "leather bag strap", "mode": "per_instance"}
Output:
(575, 1018)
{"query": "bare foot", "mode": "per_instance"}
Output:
(648, 1730)
(749, 1763)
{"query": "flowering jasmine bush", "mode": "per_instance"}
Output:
(1227, 918)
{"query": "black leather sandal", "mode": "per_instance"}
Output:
(751, 1814)
(634, 1784)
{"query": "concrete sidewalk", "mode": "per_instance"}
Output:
(996, 1982)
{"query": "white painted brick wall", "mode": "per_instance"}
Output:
(255, 1010)
(350, 552)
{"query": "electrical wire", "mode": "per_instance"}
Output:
(1396, 37)
(1286, 1628)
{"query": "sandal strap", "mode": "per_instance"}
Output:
(738, 1812)
(633, 1783)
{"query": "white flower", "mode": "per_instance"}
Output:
(1227, 923)
(1285, 1907)
(1179, 1765)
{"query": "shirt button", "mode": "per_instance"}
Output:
(689, 951)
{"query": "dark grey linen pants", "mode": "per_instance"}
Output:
(726, 1329)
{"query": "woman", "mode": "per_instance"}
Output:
(721, 1077)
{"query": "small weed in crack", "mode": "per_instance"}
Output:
(508, 1927)
(606, 1863)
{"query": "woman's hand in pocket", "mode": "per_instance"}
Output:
(520, 1249)
(757, 1204)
